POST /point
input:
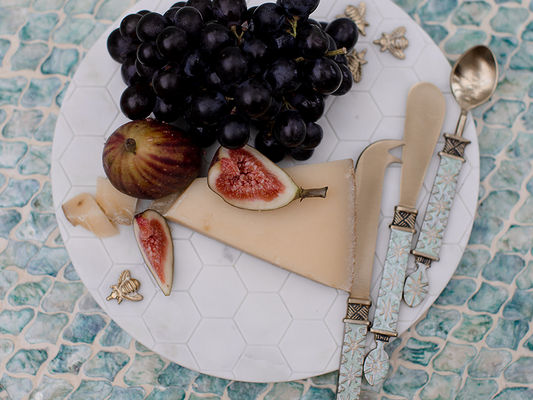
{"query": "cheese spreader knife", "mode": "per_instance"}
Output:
(473, 79)
(423, 121)
(369, 173)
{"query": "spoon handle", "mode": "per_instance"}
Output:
(436, 218)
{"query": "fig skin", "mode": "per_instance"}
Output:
(245, 178)
(147, 159)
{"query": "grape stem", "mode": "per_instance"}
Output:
(293, 23)
(287, 105)
(234, 30)
(310, 193)
(337, 52)
(331, 53)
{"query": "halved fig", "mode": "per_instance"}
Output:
(155, 242)
(247, 179)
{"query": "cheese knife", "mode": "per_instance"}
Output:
(369, 173)
(423, 121)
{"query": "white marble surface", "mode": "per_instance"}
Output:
(230, 315)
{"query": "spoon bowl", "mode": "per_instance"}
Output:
(473, 80)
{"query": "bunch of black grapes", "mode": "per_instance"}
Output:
(223, 67)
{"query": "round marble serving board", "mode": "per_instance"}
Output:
(231, 315)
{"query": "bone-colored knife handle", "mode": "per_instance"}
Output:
(441, 198)
(391, 287)
(353, 350)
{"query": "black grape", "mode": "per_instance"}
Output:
(150, 25)
(172, 43)
(282, 76)
(309, 103)
(300, 154)
(229, 12)
(128, 27)
(129, 73)
(268, 18)
(214, 37)
(313, 136)
(312, 42)
(206, 108)
(190, 20)
(299, 8)
(268, 145)
(344, 32)
(137, 101)
(231, 65)
(253, 97)
(203, 136)
(119, 48)
(167, 110)
(272, 112)
(233, 131)
(148, 54)
(204, 6)
(323, 74)
(194, 64)
(347, 81)
(144, 70)
(282, 44)
(169, 82)
(289, 128)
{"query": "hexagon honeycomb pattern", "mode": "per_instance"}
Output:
(229, 314)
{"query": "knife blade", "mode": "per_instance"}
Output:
(423, 121)
(369, 173)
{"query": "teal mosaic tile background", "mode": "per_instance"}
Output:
(475, 342)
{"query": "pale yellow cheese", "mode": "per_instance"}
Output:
(119, 207)
(314, 238)
(82, 210)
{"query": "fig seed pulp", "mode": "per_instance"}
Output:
(155, 243)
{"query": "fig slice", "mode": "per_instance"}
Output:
(247, 179)
(155, 242)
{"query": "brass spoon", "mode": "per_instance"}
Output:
(473, 80)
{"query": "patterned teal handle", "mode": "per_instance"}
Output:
(391, 288)
(438, 209)
(352, 357)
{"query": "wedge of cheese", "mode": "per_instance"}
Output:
(119, 207)
(314, 238)
(84, 211)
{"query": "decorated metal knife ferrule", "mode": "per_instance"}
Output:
(356, 326)
(436, 218)
(385, 321)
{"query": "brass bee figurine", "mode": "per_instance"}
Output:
(395, 42)
(355, 64)
(357, 15)
(126, 288)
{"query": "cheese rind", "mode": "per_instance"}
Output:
(119, 207)
(314, 238)
(84, 211)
